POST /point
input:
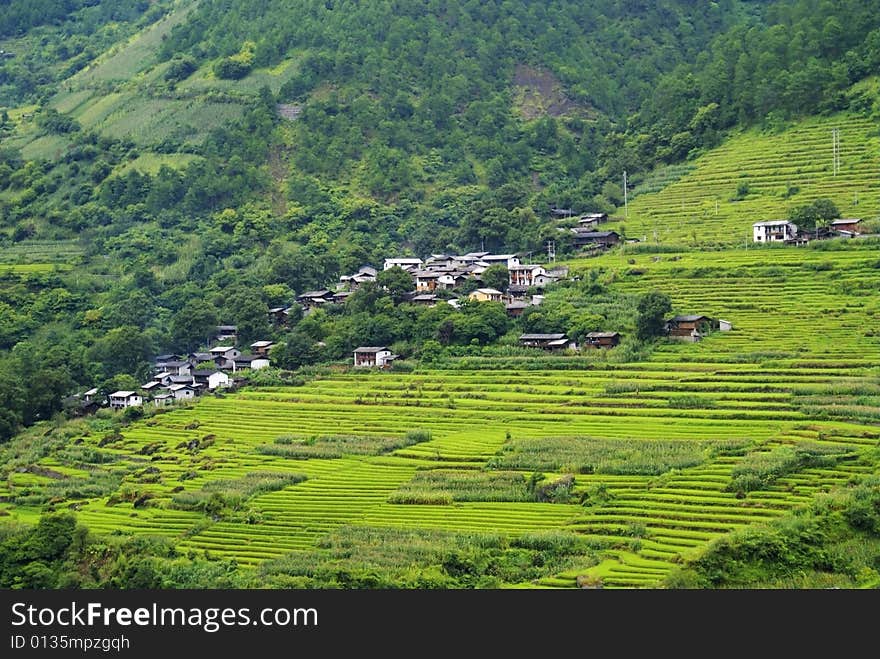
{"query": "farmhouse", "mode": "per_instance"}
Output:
(774, 231)
(278, 315)
(224, 356)
(261, 347)
(312, 299)
(226, 334)
(426, 280)
(182, 391)
(524, 275)
(592, 220)
(515, 308)
(426, 299)
(549, 342)
(352, 282)
(602, 339)
(163, 400)
(851, 225)
(688, 328)
(508, 260)
(253, 362)
(121, 399)
(373, 357)
(151, 386)
(486, 295)
(210, 379)
(89, 395)
(404, 263)
(603, 239)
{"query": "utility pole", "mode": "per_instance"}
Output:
(625, 204)
(835, 150)
(551, 251)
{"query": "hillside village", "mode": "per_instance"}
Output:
(437, 279)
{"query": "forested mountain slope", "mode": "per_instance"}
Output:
(177, 164)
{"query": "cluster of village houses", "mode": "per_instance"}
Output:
(786, 231)
(184, 377)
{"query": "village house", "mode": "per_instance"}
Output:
(253, 362)
(161, 362)
(373, 357)
(278, 316)
(425, 299)
(403, 263)
(224, 356)
(119, 400)
(515, 308)
(226, 334)
(688, 328)
(210, 379)
(426, 280)
(453, 279)
(183, 391)
(312, 299)
(590, 221)
(550, 342)
(439, 262)
(524, 275)
(163, 400)
(179, 367)
(601, 239)
(198, 358)
(151, 386)
(261, 347)
(602, 339)
(507, 260)
(486, 295)
(89, 395)
(774, 231)
(352, 282)
(852, 225)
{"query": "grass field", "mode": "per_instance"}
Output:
(644, 460)
(696, 203)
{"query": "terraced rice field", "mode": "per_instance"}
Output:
(698, 205)
(800, 369)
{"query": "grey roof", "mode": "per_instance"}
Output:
(151, 385)
(206, 373)
(227, 328)
(122, 394)
(687, 319)
(771, 223)
(247, 359)
(602, 335)
(370, 349)
(261, 344)
(846, 221)
(91, 392)
(315, 294)
(594, 234)
(518, 304)
(424, 298)
(541, 337)
(180, 379)
(278, 309)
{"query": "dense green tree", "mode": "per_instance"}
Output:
(397, 281)
(652, 310)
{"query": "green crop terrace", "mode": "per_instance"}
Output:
(654, 451)
(699, 203)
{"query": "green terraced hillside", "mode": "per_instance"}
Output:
(657, 449)
(782, 170)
